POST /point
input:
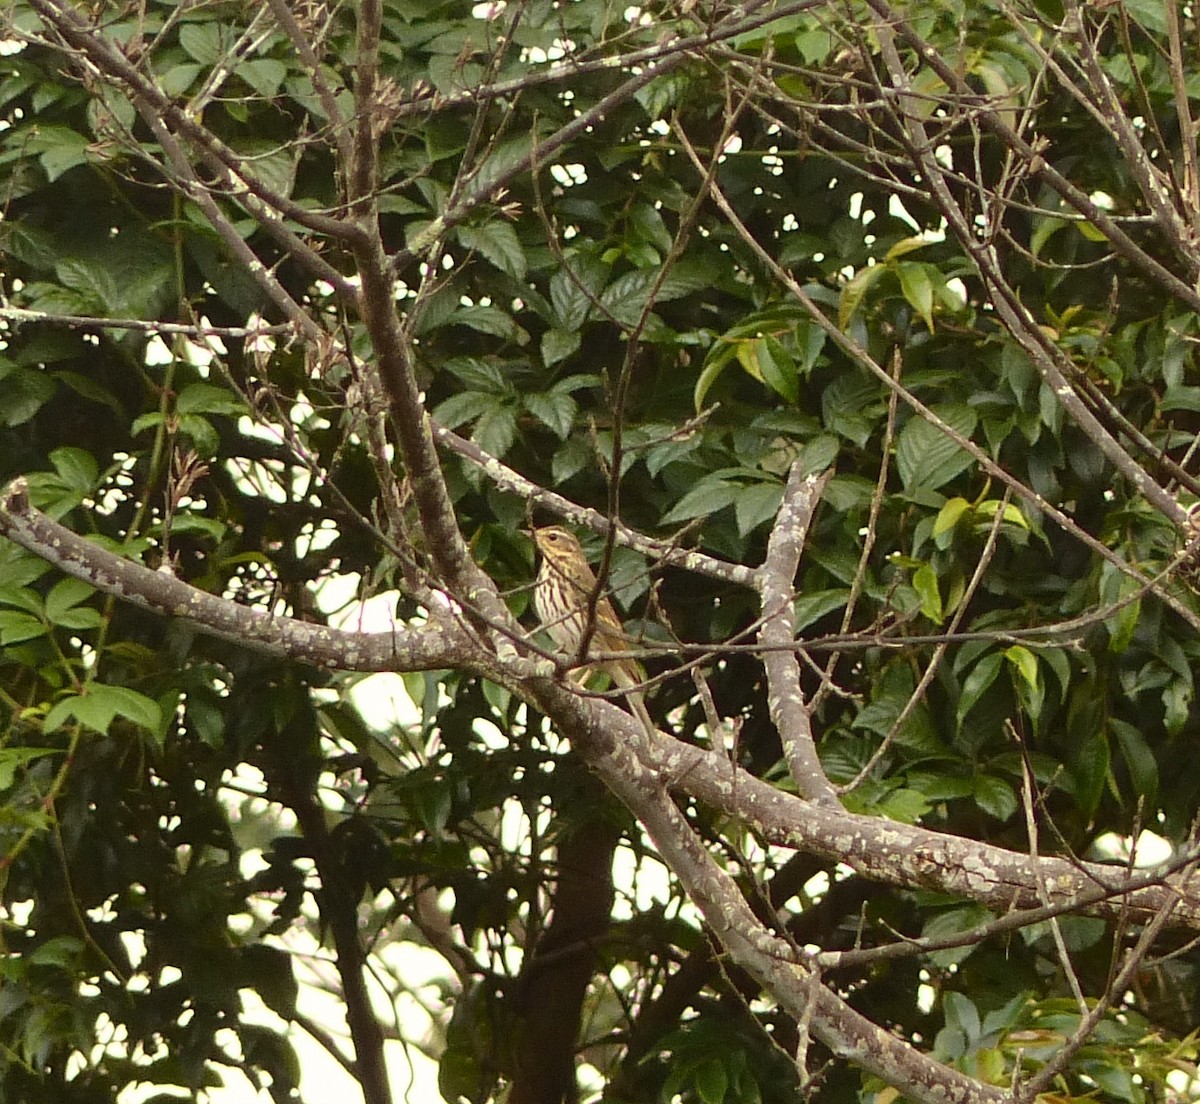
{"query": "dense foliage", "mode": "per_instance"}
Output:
(938, 263)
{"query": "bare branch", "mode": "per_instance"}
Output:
(435, 644)
(785, 697)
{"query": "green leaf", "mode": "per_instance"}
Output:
(855, 291)
(498, 242)
(1089, 770)
(819, 454)
(906, 246)
(918, 286)
(496, 430)
(995, 797)
(179, 79)
(62, 605)
(570, 458)
(627, 296)
(756, 504)
(553, 409)
(650, 226)
(204, 42)
(709, 374)
(925, 457)
(557, 345)
(99, 704)
(775, 367)
(486, 319)
(813, 606)
(712, 1082)
(708, 496)
(76, 468)
(59, 149)
(662, 93)
(13, 758)
(204, 398)
(951, 922)
(1139, 759)
(982, 675)
(17, 627)
(1024, 663)
(925, 583)
(26, 391)
(502, 159)
(62, 951)
(264, 75)
(464, 407)
(949, 515)
(1123, 624)
(573, 289)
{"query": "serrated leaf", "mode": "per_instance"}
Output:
(26, 391)
(264, 75)
(626, 297)
(573, 288)
(662, 93)
(553, 409)
(819, 454)
(951, 922)
(58, 149)
(65, 594)
(465, 407)
(995, 797)
(557, 345)
(204, 42)
(16, 627)
(99, 704)
(179, 78)
(571, 457)
(12, 759)
(487, 320)
(498, 242)
(495, 430)
(76, 468)
(502, 159)
(925, 457)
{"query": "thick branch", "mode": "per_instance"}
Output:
(769, 959)
(785, 699)
(554, 982)
(912, 856)
(431, 646)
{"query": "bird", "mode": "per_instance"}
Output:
(562, 597)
